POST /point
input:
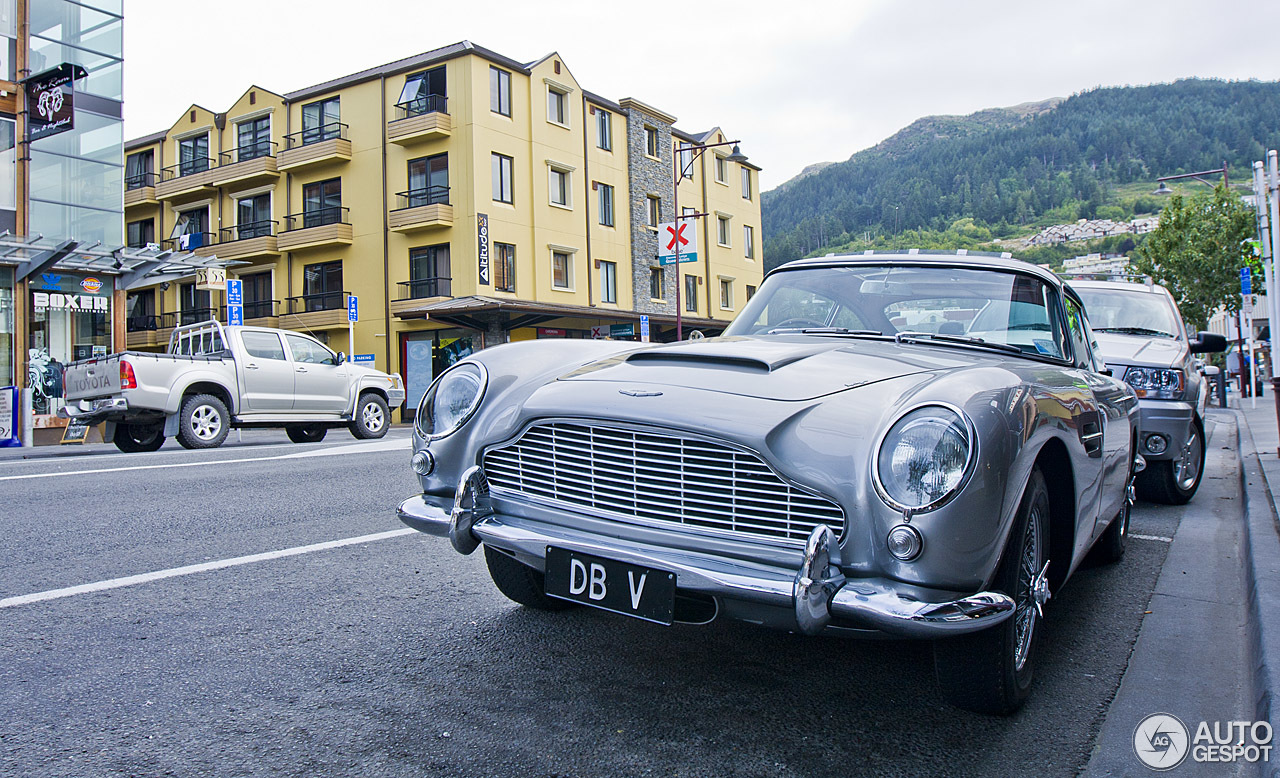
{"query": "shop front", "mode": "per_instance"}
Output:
(69, 318)
(425, 354)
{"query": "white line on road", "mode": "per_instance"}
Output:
(356, 448)
(133, 580)
(1160, 538)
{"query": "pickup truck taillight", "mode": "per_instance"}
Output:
(127, 379)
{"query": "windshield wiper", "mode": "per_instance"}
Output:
(1133, 331)
(824, 331)
(963, 340)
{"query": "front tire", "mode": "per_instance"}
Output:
(305, 433)
(135, 438)
(203, 422)
(371, 419)
(1175, 481)
(520, 583)
(991, 671)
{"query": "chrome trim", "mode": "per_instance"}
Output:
(744, 499)
(969, 465)
(97, 407)
(816, 582)
(466, 417)
(473, 487)
(881, 608)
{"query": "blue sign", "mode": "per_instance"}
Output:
(235, 315)
(644, 328)
(353, 308)
(362, 359)
(9, 416)
(235, 292)
(1246, 281)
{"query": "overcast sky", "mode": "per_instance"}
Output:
(799, 82)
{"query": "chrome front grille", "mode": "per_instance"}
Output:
(658, 477)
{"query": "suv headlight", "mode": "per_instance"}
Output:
(451, 400)
(924, 459)
(1156, 383)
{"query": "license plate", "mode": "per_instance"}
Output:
(640, 592)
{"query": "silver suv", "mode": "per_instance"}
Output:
(1142, 339)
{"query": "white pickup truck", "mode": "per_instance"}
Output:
(213, 378)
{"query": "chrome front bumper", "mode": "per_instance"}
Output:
(817, 592)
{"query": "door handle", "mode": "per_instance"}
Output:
(250, 367)
(302, 370)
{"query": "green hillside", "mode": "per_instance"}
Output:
(962, 182)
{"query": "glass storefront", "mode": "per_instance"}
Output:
(425, 355)
(6, 327)
(70, 319)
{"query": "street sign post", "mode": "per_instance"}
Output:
(235, 302)
(353, 316)
(677, 242)
(644, 329)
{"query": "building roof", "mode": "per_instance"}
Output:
(145, 140)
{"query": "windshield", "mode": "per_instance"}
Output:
(995, 306)
(1130, 312)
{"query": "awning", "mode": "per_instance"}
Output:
(477, 311)
(134, 267)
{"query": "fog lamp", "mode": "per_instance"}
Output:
(423, 463)
(905, 542)
(1156, 444)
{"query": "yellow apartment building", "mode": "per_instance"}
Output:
(466, 199)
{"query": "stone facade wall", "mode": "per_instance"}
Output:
(647, 176)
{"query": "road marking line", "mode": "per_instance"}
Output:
(133, 580)
(357, 448)
(1160, 538)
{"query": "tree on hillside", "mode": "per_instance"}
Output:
(1197, 252)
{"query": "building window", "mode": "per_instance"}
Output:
(608, 282)
(253, 217)
(686, 160)
(557, 106)
(194, 305)
(253, 138)
(691, 294)
(256, 290)
(428, 181)
(322, 286)
(322, 203)
(193, 155)
(604, 130)
(504, 267)
(751, 292)
(139, 170)
(722, 230)
(499, 91)
(141, 233)
(321, 121)
(656, 290)
(558, 181)
(190, 230)
(748, 241)
(606, 204)
(651, 141)
(141, 308)
(561, 270)
(502, 179)
(746, 183)
(429, 272)
(722, 170)
(726, 294)
(655, 207)
(423, 93)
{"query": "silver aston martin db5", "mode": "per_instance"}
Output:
(906, 445)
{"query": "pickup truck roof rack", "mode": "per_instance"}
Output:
(206, 337)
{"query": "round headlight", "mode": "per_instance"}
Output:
(924, 459)
(451, 400)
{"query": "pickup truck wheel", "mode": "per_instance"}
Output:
(133, 438)
(520, 583)
(202, 422)
(305, 433)
(371, 417)
(991, 671)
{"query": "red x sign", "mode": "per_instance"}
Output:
(676, 233)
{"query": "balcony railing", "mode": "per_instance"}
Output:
(140, 180)
(256, 309)
(422, 105)
(316, 217)
(415, 198)
(420, 288)
(246, 231)
(256, 150)
(321, 301)
(186, 168)
(147, 323)
(330, 131)
(195, 315)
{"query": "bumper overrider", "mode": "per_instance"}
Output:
(817, 592)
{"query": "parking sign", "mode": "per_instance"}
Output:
(353, 309)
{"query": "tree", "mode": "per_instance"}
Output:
(1197, 252)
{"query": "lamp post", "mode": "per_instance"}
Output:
(1164, 189)
(680, 171)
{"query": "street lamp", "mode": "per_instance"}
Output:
(1164, 189)
(680, 171)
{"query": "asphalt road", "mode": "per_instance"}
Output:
(395, 656)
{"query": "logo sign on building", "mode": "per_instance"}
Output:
(362, 359)
(211, 278)
(622, 330)
(599, 333)
(8, 416)
(644, 329)
(679, 236)
(235, 301)
(51, 101)
(57, 301)
(482, 240)
(552, 332)
(353, 309)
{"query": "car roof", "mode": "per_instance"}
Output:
(1122, 286)
(961, 258)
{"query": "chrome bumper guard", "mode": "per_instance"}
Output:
(817, 592)
(87, 410)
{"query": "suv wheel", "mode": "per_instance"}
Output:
(371, 417)
(203, 422)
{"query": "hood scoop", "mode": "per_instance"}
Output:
(678, 359)
(734, 353)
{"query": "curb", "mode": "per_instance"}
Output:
(1261, 555)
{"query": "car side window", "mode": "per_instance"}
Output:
(264, 345)
(1079, 333)
(309, 351)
